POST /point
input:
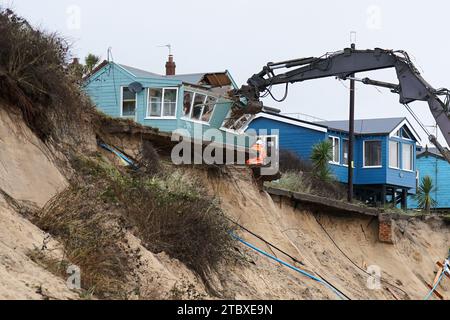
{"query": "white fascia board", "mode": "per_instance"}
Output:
(409, 126)
(288, 121)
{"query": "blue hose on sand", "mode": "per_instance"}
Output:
(304, 273)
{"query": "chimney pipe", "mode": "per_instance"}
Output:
(170, 66)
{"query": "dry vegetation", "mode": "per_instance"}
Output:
(34, 76)
(297, 176)
(166, 211)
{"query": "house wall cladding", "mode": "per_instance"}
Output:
(368, 176)
(439, 170)
(105, 87)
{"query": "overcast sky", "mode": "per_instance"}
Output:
(243, 35)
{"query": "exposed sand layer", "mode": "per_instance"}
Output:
(20, 277)
(28, 174)
(27, 171)
(408, 264)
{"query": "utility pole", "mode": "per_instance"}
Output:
(351, 132)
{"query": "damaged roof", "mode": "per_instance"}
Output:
(212, 79)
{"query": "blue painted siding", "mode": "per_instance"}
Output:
(402, 177)
(439, 170)
(291, 137)
(104, 89)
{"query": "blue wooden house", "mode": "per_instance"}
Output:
(385, 152)
(431, 163)
(190, 102)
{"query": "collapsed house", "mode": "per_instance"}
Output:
(188, 103)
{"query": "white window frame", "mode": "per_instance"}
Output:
(397, 134)
(398, 154)
(364, 155)
(412, 157)
(339, 149)
(189, 117)
(343, 149)
(147, 115)
(122, 101)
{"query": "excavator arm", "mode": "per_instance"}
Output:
(343, 64)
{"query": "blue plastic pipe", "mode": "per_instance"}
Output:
(288, 265)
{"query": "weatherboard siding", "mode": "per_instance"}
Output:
(439, 170)
(104, 89)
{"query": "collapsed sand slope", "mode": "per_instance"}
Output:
(406, 265)
(27, 172)
(20, 277)
(29, 176)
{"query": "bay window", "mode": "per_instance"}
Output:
(198, 106)
(394, 155)
(372, 154)
(199, 103)
(407, 157)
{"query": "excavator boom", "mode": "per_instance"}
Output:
(343, 64)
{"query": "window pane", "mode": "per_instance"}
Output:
(372, 153)
(129, 109)
(209, 108)
(345, 151)
(128, 95)
(336, 150)
(187, 103)
(199, 102)
(155, 101)
(170, 102)
(393, 154)
(406, 134)
(407, 157)
(128, 103)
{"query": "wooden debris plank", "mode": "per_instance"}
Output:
(435, 292)
(393, 293)
(441, 265)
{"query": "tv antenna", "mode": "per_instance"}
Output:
(167, 46)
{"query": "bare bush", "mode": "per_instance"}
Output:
(169, 212)
(34, 77)
(290, 161)
(298, 176)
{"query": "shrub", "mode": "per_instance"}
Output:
(167, 211)
(34, 76)
(290, 161)
(424, 197)
(321, 156)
